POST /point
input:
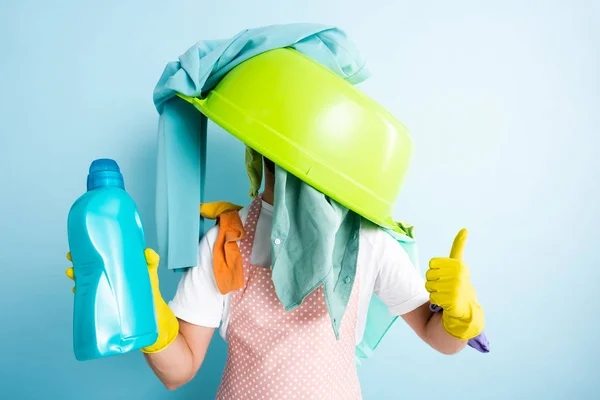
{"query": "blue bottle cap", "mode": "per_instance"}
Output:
(105, 173)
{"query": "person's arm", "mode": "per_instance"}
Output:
(406, 294)
(179, 351)
(450, 288)
(198, 306)
(179, 362)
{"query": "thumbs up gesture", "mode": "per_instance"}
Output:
(450, 287)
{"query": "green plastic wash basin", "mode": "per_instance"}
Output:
(316, 126)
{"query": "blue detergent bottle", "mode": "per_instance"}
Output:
(113, 306)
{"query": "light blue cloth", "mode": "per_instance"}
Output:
(182, 129)
(315, 242)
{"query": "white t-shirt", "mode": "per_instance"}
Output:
(384, 267)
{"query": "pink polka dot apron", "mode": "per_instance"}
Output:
(274, 354)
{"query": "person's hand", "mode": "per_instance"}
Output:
(168, 325)
(70, 273)
(450, 287)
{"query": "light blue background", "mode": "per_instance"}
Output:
(503, 98)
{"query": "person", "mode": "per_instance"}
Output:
(273, 353)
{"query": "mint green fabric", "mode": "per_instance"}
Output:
(315, 242)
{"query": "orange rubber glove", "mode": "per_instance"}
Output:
(450, 287)
(168, 325)
(227, 259)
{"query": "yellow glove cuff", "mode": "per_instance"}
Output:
(168, 325)
(467, 327)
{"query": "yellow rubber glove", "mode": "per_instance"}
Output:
(168, 325)
(450, 287)
(213, 210)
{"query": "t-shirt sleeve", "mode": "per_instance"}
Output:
(198, 300)
(398, 283)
